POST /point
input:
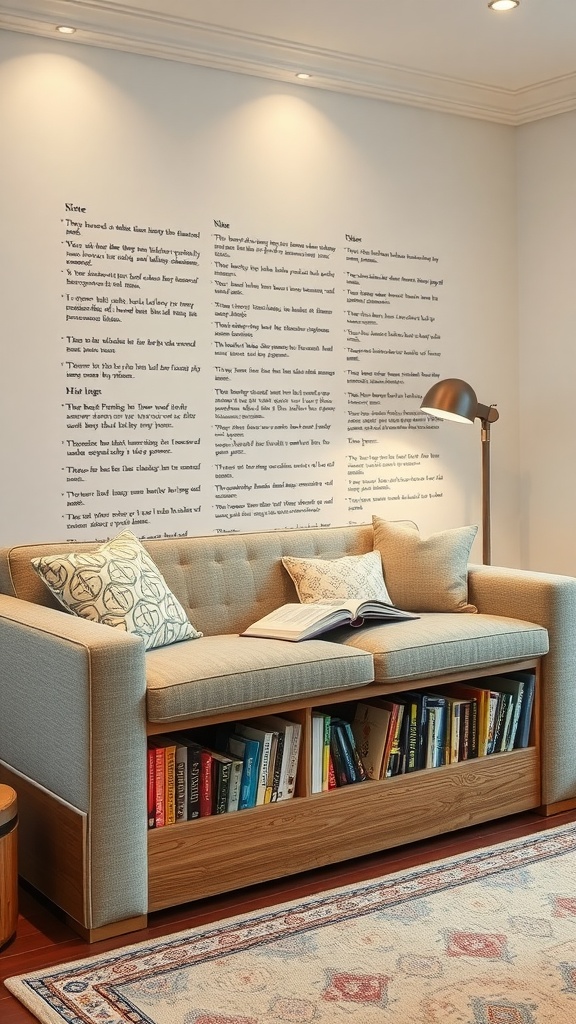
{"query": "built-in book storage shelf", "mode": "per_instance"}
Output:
(192, 859)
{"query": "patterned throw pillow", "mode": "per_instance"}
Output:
(425, 574)
(325, 579)
(118, 585)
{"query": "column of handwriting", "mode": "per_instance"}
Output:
(132, 376)
(274, 411)
(393, 348)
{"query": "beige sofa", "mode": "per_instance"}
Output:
(77, 698)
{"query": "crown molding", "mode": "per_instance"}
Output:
(121, 27)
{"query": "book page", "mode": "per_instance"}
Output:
(299, 616)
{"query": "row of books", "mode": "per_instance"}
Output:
(428, 729)
(336, 760)
(220, 769)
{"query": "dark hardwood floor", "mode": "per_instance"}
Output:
(43, 939)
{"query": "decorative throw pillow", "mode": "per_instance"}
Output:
(425, 575)
(326, 579)
(118, 585)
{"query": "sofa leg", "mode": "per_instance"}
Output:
(558, 808)
(108, 931)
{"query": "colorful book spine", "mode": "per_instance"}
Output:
(271, 768)
(278, 759)
(170, 784)
(337, 758)
(285, 730)
(249, 751)
(220, 782)
(236, 767)
(326, 754)
(343, 744)
(159, 784)
(181, 781)
(361, 775)
(205, 783)
(392, 753)
(522, 736)
(194, 772)
(332, 784)
(317, 752)
(294, 760)
(151, 786)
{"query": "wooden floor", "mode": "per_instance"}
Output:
(43, 939)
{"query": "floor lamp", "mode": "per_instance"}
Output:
(454, 399)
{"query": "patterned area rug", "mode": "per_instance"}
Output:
(483, 938)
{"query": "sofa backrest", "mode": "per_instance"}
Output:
(224, 582)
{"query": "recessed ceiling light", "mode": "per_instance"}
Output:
(503, 5)
(302, 74)
(65, 30)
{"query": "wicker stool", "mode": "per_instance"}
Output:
(8, 864)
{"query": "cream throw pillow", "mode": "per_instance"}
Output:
(118, 585)
(326, 579)
(425, 575)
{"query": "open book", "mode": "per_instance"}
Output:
(304, 621)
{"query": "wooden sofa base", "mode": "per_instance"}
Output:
(200, 858)
(197, 859)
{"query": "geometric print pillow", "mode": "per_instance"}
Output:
(325, 579)
(118, 585)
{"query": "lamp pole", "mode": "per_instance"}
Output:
(487, 415)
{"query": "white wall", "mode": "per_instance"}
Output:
(547, 229)
(147, 141)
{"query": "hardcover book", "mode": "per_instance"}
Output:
(317, 751)
(151, 786)
(221, 771)
(522, 736)
(305, 621)
(515, 688)
(165, 812)
(266, 738)
(236, 766)
(371, 726)
(285, 729)
(205, 783)
(248, 751)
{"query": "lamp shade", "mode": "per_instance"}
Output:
(451, 399)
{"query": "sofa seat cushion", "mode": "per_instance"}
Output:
(441, 642)
(231, 672)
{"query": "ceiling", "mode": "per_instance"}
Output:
(449, 55)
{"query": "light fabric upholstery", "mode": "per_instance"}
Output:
(224, 582)
(73, 720)
(441, 642)
(550, 600)
(228, 672)
(425, 574)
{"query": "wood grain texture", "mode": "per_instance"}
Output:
(8, 863)
(199, 858)
(52, 840)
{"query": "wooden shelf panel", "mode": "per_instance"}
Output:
(211, 855)
(52, 844)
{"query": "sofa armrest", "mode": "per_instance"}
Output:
(550, 601)
(73, 720)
